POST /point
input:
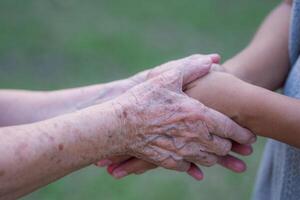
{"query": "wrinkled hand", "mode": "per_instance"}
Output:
(121, 166)
(179, 64)
(194, 141)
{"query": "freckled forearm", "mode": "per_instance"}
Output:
(37, 154)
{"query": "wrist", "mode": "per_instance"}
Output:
(113, 128)
(222, 92)
(233, 66)
(84, 97)
(98, 132)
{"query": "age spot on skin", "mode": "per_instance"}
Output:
(60, 147)
(169, 101)
(125, 114)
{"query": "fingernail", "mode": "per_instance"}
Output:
(215, 57)
(198, 176)
(239, 167)
(119, 174)
(104, 163)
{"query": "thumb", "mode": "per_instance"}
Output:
(195, 68)
(171, 80)
(186, 72)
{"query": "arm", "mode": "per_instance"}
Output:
(37, 106)
(266, 113)
(36, 154)
(265, 62)
(154, 120)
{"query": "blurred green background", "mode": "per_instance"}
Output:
(58, 44)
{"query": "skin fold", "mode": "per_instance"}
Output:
(264, 63)
(153, 120)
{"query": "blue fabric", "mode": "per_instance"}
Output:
(279, 174)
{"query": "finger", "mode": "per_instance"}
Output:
(172, 164)
(163, 157)
(171, 80)
(192, 151)
(109, 161)
(136, 166)
(242, 149)
(217, 67)
(195, 172)
(223, 126)
(216, 58)
(185, 73)
(132, 166)
(195, 68)
(113, 166)
(217, 145)
(203, 158)
(198, 129)
(181, 63)
(232, 163)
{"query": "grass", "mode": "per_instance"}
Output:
(57, 44)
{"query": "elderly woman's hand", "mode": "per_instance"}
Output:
(167, 128)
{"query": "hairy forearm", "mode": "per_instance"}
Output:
(21, 107)
(264, 112)
(36, 154)
(265, 61)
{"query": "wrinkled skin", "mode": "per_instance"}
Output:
(167, 128)
(114, 89)
(124, 165)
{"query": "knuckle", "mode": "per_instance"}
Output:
(177, 165)
(227, 145)
(171, 77)
(210, 161)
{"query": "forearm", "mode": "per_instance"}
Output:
(271, 115)
(20, 107)
(37, 154)
(264, 112)
(265, 61)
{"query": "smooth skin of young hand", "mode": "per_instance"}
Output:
(265, 63)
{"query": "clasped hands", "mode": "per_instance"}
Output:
(161, 126)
